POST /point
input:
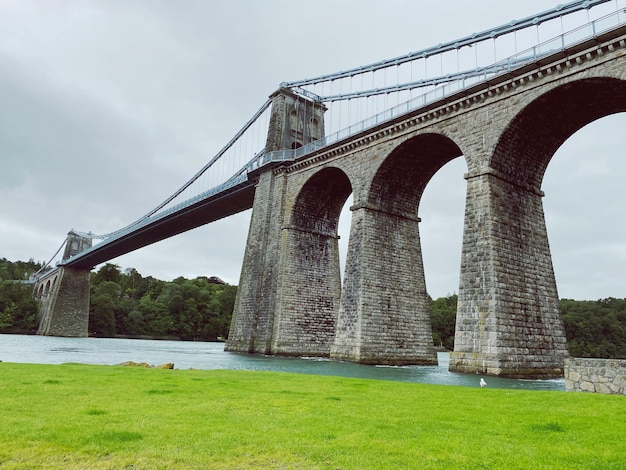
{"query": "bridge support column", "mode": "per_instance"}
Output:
(290, 284)
(65, 311)
(384, 317)
(294, 121)
(310, 292)
(253, 315)
(508, 320)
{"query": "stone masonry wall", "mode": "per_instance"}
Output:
(384, 317)
(67, 311)
(595, 375)
(255, 305)
(508, 314)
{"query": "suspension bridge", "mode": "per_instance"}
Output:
(504, 99)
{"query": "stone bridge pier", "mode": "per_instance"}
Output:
(508, 310)
(63, 295)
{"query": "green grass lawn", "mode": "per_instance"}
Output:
(111, 417)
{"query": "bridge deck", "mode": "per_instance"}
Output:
(218, 206)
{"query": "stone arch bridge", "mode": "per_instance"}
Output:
(291, 301)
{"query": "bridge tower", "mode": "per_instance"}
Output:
(64, 295)
(270, 314)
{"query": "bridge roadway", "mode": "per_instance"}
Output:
(223, 204)
(240, 197)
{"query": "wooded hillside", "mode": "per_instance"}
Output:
(124, 303)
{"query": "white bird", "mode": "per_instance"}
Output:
(482, 383)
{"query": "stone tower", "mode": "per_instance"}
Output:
(295, 121)
(75, 244)
(64, 310)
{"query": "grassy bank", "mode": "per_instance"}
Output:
(105, 417)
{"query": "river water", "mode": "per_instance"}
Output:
(201, 355)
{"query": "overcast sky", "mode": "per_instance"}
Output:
(107, 107)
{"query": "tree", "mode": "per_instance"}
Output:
(109, 272)
(595, 328)
(104, 301)
(18, 308)
(443, 319)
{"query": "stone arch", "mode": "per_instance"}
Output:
(385, 315)
(399, 182)
(319, 202)
(311, 278)
(39, 291)
(528, 143)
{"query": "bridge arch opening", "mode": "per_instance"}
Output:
(311, 274)
(441, 212)
(537, 145)
(401, 179)
(584, 207)
(385, 315)
(419, 177)
(320, 201)
(415, 172)
(532, 138)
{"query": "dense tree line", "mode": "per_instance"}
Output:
(128, 304)
(443, 319)
(18, 309)
(595, 328)
(125, 303)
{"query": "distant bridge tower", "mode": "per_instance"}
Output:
(63, 294)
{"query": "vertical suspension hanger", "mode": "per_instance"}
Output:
(397, 83)
(329, 123)
(384, 86)
(339, 124)
(363, 101)
(411, 78)
(537, 31)
(475, 46)
(349, 103)
(441, 64)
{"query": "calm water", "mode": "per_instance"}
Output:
(199, 355)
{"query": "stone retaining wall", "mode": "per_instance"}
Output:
(595, 375)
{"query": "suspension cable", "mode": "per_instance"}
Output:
(515, 25)
(230, 143)
(51, 259)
